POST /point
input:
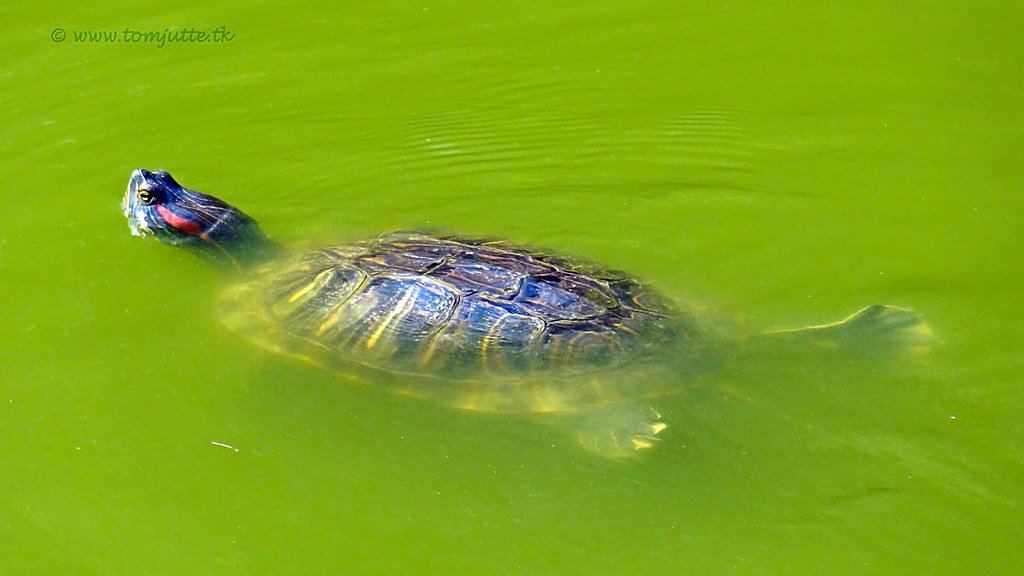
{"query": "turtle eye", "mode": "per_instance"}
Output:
(146, 197)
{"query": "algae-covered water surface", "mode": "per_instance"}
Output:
(763, 166)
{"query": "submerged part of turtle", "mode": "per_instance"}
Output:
(473, 324)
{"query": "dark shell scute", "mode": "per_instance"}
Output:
(489, 334)
(391, 314)
(312, 294)
(407, 261)
(471, 273)
(556, 302)
(486, 323)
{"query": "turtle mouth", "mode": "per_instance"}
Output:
(138, 227)
(135, 213)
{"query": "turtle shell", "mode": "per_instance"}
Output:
(459, 308)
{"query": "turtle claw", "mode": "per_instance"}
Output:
(619, 431)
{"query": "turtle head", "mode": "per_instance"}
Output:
(156, 205)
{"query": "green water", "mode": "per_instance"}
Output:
(776, 165)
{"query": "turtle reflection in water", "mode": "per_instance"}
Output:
(472, 324)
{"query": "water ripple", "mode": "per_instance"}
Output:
(700, 146)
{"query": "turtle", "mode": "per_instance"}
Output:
(476, 324)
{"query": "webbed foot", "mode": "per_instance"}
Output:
(880, 328)
(883, 328)
(618, 431)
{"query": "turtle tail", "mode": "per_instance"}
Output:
(876, 329)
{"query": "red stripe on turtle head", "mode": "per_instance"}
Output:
(184, 225)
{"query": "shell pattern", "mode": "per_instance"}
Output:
(417, 303)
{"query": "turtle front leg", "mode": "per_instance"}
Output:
(617, 431)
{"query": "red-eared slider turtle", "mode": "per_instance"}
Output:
(474, 324)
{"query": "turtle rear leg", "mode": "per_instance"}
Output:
(879, 328)
(617, 430)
